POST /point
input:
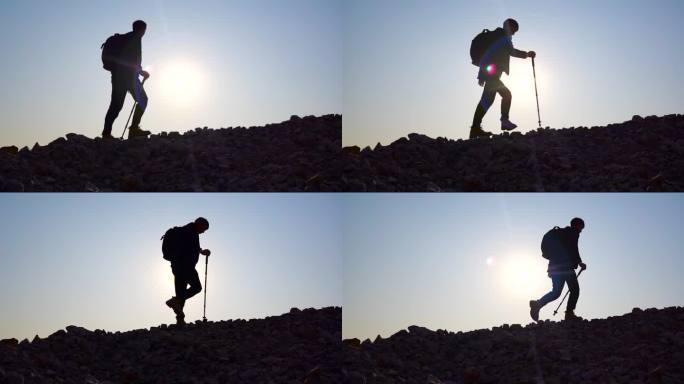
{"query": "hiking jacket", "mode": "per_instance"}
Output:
(499, 54)
(568, 260)
(130, 58)
(188, 253)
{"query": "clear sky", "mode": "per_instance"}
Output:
(470, 261)
(407, 64)
(95, 260)
(214, 63)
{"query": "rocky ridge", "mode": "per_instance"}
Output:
(287, 156)
(644, 346)
(302, 346)
(638, 155)
(306, 154)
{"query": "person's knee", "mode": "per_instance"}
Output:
(505, 94)
(115, 106)
(197, 288)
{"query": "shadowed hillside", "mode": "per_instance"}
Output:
(278, 157)
(639, 347)
(302, 346)
(637, 155)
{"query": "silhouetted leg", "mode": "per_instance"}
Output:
(195, 284)
(180, 283)
(115, 105)
(573, 285)
(555, 293)
(506, 99)
(140, 97)
(488, 95)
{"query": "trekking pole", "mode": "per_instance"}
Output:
(566, 295)
(206, 266)
(131, 114)
(534, 73)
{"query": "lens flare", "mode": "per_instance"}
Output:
(490, 69)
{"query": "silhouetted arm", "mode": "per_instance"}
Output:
(574, 249)
(518, 53)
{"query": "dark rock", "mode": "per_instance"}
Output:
(12, 149)
(622, 349)
(622, 157)
(300, 346)
(276, 157)
(11, 342)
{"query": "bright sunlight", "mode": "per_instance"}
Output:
(181, 82)
(522, 276)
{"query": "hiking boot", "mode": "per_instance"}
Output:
(180, 319)
(476, 132)
(108, 136)
(534, 310)
(135, 131)
(507, 125)
(570, 315)
(176, 305)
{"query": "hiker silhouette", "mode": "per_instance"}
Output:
(560, 248)
(491, 52)
(182, 248)
(122, 56)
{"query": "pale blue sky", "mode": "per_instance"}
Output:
(95, 260)
(407, 64)
(472, 261)
(256, 62)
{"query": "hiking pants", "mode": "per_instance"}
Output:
(493, 85)
(184, 276)
(558, 281)
(123, 83)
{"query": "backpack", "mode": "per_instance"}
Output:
(111, 51)
(552, 245)
(171, 241)
(480, 44)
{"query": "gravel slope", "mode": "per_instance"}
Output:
(302, 346)
(639, 347)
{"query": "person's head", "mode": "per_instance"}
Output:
(510, 26)
(577, 223)
(201, 224)
(139, 27)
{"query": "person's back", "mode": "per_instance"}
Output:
(188, 245)
(130, 57)
(566, 256)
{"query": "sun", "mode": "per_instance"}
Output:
(181, 82)
(522, 276)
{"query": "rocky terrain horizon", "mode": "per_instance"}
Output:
(287, 156)
(302, 346)
(642, 154)
(306, 154)
(643, 346)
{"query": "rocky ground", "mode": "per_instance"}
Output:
(637, 155)
(644, 346)
(287, 156)
(306, 154)
(302, 346)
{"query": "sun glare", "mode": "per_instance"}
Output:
(181, 83)
(522, 276)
